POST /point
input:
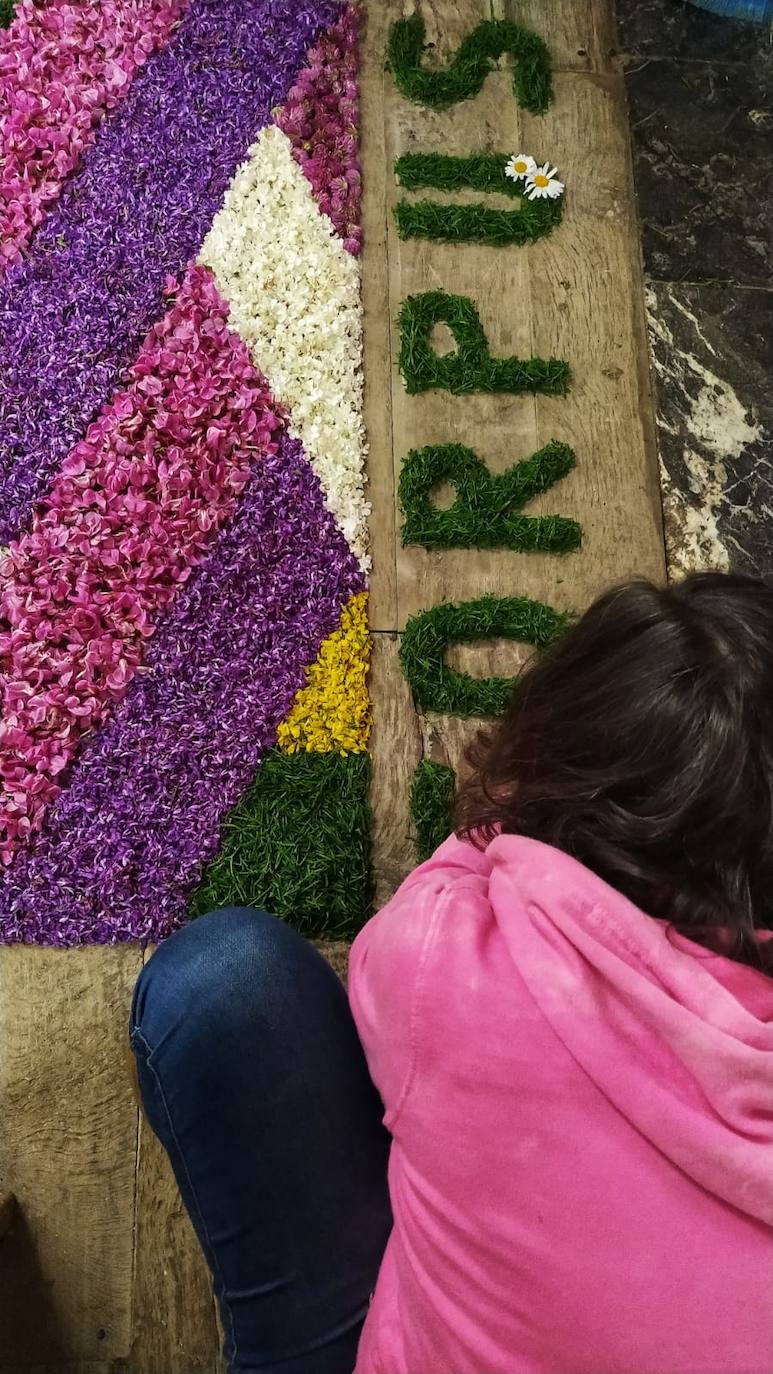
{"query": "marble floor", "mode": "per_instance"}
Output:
(700, 95)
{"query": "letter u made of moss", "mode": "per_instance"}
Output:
(448, 223)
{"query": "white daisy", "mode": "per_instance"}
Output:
(519, 166)
(542, 181)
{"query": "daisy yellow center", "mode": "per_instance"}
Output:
(541, 180)
(520, 165)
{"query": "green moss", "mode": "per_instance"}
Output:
(470, 367)
(438, 687)
(444, 172)
(427, 219)
(469, 223)
(467, 70)
(298, 845)
(485, 514)
(431, 805)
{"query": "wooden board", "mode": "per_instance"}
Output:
(578, 295)
(377, 324)
(580, 33)
(88, 1368)
(575, 295)
(67, 1151)
(395, 752)
(174, 1322)
(7, 1213)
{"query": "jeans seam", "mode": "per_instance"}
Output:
(136, 1033)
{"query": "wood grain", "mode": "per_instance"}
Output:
(395, 751)
(101, 1272)
(579, 33)
(7, 1213)
(174, 1326)
(377, 326)
(89, 1367)
(337, 954)
(67, 1151)
(575, 294)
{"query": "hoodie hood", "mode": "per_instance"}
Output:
(680, 1040)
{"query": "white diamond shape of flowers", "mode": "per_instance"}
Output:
(519, 166)
(543, 181)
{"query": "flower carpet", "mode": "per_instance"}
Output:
(183, 521)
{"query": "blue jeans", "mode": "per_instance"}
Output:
(253, 1078)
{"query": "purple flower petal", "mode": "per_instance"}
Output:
(125, 843)
(73, 312)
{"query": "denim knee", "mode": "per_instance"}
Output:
(218, 973)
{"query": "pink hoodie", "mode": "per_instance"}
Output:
(582, 1113)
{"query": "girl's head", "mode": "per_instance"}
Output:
(641, 743)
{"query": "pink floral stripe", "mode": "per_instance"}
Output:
(63, 65)
(130, 514)
(321, 120)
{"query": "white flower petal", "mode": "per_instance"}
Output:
(294, 294)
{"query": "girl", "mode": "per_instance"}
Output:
(567, 1014)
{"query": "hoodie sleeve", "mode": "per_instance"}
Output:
(387, 966)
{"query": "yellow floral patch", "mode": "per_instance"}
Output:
(332, 712)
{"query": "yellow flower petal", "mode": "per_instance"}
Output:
(332, 712)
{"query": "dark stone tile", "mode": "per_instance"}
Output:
(676, 29)
(711, 353)
(703, 153)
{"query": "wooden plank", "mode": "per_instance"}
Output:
(337, 954)
(81, 1368)
(576, 293)
(589, 272)
(579, 33)
(67, 1151)
(174, 1322)
(174, 1325)
(395, 751)
(377, 330)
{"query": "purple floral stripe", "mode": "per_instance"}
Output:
(72, 314)
(125, 843)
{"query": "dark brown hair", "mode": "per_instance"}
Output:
(641, 743)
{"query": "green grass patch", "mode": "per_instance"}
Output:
(431, 805)
(469, 223)
(486, 511)
(469, 66)
(470, 367)
(298, 845)
(438, 687)
(427, 219)
(446, 172)
(7, 8)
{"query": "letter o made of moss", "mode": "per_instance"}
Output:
(438, 687)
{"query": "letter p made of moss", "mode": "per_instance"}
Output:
(470, 367)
